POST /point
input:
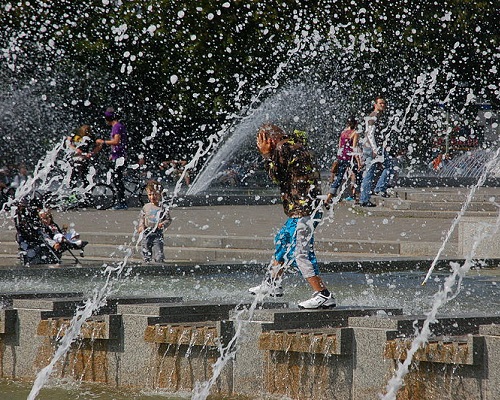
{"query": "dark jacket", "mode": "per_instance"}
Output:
(291, 166)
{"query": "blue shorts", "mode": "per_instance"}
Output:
(294, 245)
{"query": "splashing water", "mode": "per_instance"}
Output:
(92, 305)
(470, 164)
(235, 140)
(242, 125)
(202, 389)
(445, 294)
(490, 166)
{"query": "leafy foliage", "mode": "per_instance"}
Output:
(180, 70)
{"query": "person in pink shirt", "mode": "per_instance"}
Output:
(348, 157)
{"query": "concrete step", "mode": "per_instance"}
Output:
(442, 203)
(398, 208)
(239, 249)
(443, 194)
(425, 214)
(111, 242)
(411, 225)
(410, 205)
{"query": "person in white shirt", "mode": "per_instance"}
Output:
(154, 218)
(373, 149)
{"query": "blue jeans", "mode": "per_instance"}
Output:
(387, 174)
(344, 165)
(152, 246)
(368, 175)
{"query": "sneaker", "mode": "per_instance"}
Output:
(349, 198)
(120, 206)
(318, 301)
(267, 288)
(367, 204)
(382, 194)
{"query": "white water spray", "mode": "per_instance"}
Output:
(446, 293)
(246, 126)
(92, 305)
(487, 170)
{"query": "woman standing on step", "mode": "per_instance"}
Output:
(349, 160)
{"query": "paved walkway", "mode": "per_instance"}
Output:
(368, 233)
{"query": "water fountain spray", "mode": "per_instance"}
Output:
(490, 165)
(93, 305)
(445, 294)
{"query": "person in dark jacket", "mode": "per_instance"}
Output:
(290, 164)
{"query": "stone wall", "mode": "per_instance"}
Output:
(169, 345)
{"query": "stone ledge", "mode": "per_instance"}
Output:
(196, 334)
(458, 350)
(8, 318)
(200, 311)
(403, 326)
(312, 319)
(105, 327)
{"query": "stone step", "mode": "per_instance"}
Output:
(228, 244)
(260, 252)
(442, 203)
(425, 214)
(410, 205)
(448, 194)
(395, 207)
(114, 241)
(445, 213)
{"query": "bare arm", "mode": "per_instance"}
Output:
(355, 143)
(111, 142)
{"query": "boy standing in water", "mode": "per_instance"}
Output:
(154, 218)
(290, 164)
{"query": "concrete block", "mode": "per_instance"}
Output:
(313, 319)
(480, 235)
(7, 298)
(248, 365)
(492, 364)
(371, 371)
(490, 330)
(8, 319)
(450, 326)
